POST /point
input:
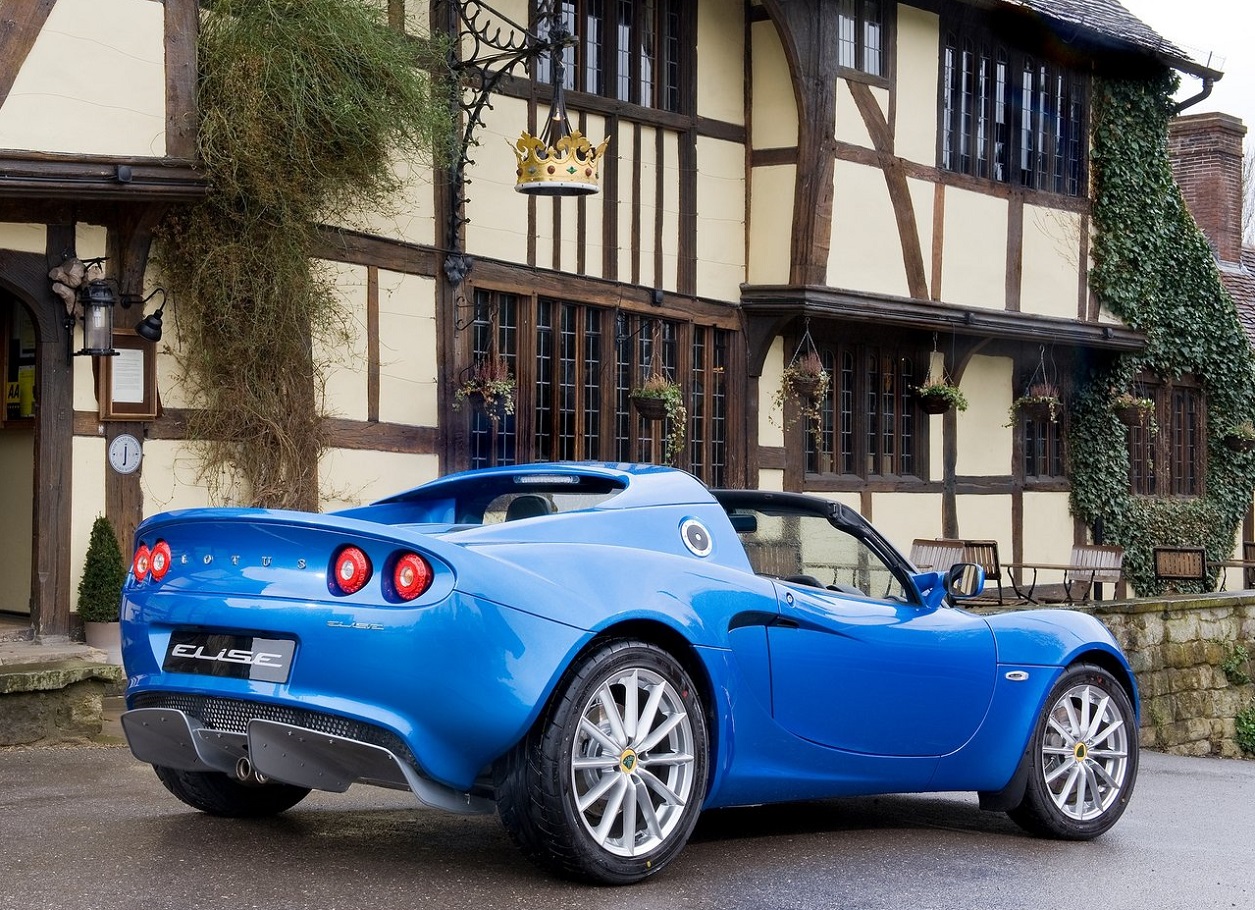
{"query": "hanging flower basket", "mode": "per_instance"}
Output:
(1131, 410)
(1041, 402)
(1240, 438)
(650, 408)
(488, 389)
(939, 396)
(657, 399)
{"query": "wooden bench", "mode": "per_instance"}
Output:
(936, 555)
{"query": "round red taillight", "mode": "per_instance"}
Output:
(411, 576)
(350, 570)
(141, 563)
(160, 560)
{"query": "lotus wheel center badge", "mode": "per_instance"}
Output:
(627, 762)
(1081, 752)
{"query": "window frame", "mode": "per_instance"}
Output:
(1168, 443)
(990, 133)
(853, 446)
(595, 65)
(563, 413)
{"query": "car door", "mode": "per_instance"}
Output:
(860, 664)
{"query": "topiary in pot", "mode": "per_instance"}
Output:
(100, 588)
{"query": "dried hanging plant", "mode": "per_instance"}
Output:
(305, 106)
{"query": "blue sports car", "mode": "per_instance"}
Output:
(597, 653)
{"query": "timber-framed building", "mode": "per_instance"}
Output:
(903, 186)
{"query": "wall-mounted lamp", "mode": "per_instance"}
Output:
(97, 300)
(149, 327)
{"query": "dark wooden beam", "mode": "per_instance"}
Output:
(21, 21)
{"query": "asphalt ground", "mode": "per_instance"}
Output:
(89, 827)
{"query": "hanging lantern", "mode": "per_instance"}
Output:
(97, 299)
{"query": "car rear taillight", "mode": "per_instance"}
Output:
(350, 570)
(411, 576)
(160, 560)
(141, 563)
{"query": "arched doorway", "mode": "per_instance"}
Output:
(18, 347)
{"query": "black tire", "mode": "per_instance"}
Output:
(218, 794)
(649, 763)
(1082, 758)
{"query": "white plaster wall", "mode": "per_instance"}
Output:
(720, 73)
(87, 466)
(410, 214)
(1051, 270)
(902, 517)
(170, 478)
(984, 442)
(770, 420)
(721, 265)
(771, 223)
(851, 127)
(986, 518)
(974, 258)
(353, 477)
(670, 164)
(648, 207)
(1047, 531)
(774, 118)
(595, 208)
(918, 61)
(498, 225)
(625, 153)
(93, 83)
(866, 252)
(23, 238)
(771, 480)
(17, 497)
(345, 366)
(407, 349)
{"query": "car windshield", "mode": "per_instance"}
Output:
(808, 549)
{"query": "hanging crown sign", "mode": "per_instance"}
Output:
(560, 161)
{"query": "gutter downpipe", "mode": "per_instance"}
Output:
(1208, 83)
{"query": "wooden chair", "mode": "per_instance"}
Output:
(936, 555)
(1180, 564)
(985, 554)
(1091, 564)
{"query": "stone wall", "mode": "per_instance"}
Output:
(1176, 647)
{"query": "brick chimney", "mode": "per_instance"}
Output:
(1206, 152)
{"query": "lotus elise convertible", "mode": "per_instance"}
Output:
(599, 652)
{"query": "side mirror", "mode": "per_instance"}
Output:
(965, 579)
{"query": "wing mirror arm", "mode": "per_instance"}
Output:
(960, 581)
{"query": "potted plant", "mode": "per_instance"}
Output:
(936, 396)
(1240, 437)
(660, 398)
(489, 387)
(804, 381)
(1040, 402)
(100, 590)
(1132, 410)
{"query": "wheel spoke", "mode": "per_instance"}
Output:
(620, 784)
(1067, 735)
(646, 722)
(598, 790)
(669, 796)
(590, 728)
(1061, 797)
(631, 704)
(1097, 771)
(1060, 771)
(648, 815)
(628, 814)
(663, 729)
(606, 697)
(595, 763)
(1099, 716)
(1108, 731)
(668, 760)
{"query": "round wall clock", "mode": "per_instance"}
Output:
(125, 454)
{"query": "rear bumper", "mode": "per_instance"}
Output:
(294, 746)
